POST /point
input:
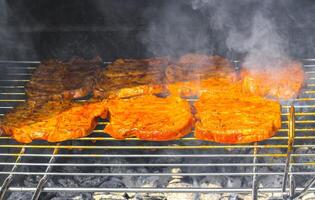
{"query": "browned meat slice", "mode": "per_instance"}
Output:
(53, 121)
(130, 77)
(190, 75)
(282, 81)
(234, 119)
(56, 80)
(149, 118)
(211, 85)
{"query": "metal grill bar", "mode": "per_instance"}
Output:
(255, 170)
(159, 174)
(203, 156)
(43, 180)
(162, 155)
(157, 165)
(305, 190)
(139, 147)
(9, 178)
(154, 190)
(288, 167)
(105, 138)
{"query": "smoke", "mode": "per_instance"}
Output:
(247, 28)
(263, 46)
(15, 45)
(175, 30)
(255, 35)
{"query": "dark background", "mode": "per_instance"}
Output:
(39, 29)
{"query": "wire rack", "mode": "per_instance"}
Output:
(289, 155)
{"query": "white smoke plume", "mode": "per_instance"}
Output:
(14, 44)
(256, 35)
(172, 31)
(253, 34)
(263, 46)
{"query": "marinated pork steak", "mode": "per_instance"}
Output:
(280, 82)
(235, 119)
(57, 80)
(149, 118)
(130, 77)
(53, 121)
(186, 77)
(211, 85)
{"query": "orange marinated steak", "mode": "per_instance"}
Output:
(53, 121)
(210, 85)
(279, 82)
(191, 75)
(235, 119)
(126, 78)
(149, 118)
(56, 80)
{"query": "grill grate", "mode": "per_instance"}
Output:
(102, 156)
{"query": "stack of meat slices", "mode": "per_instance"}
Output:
(126, 78)
(194, 74)
(49, 114)
(149, 118)
(130, 86)
(57, 80)
(282, 81)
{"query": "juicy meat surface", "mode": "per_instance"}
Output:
(53, 121)
(57, 80)
(235, 119)
(130, 77)
(211, 85)
(189, 76)
(149, 118)
(282, 82)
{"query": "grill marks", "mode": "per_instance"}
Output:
(283, 81)
(223, 102)
(129, 77)
(226, 112)
(56, 80)
(197, 67)
(194, 74)
(49, 114)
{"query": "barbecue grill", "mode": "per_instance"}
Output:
(282, 167)
(289, 155)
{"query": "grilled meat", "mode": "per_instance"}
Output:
(190, 75)
(53, 121)
(283, 82)
(57, 80)
(211, 85)
(149, 118)
(234, 119)
(130, 77)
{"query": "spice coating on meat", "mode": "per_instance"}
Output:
(53, 121)
(236, 119)
(190, 75)
(55, 80)
(210, 85)
(149, 118)
(282, 82)
(130, 77)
